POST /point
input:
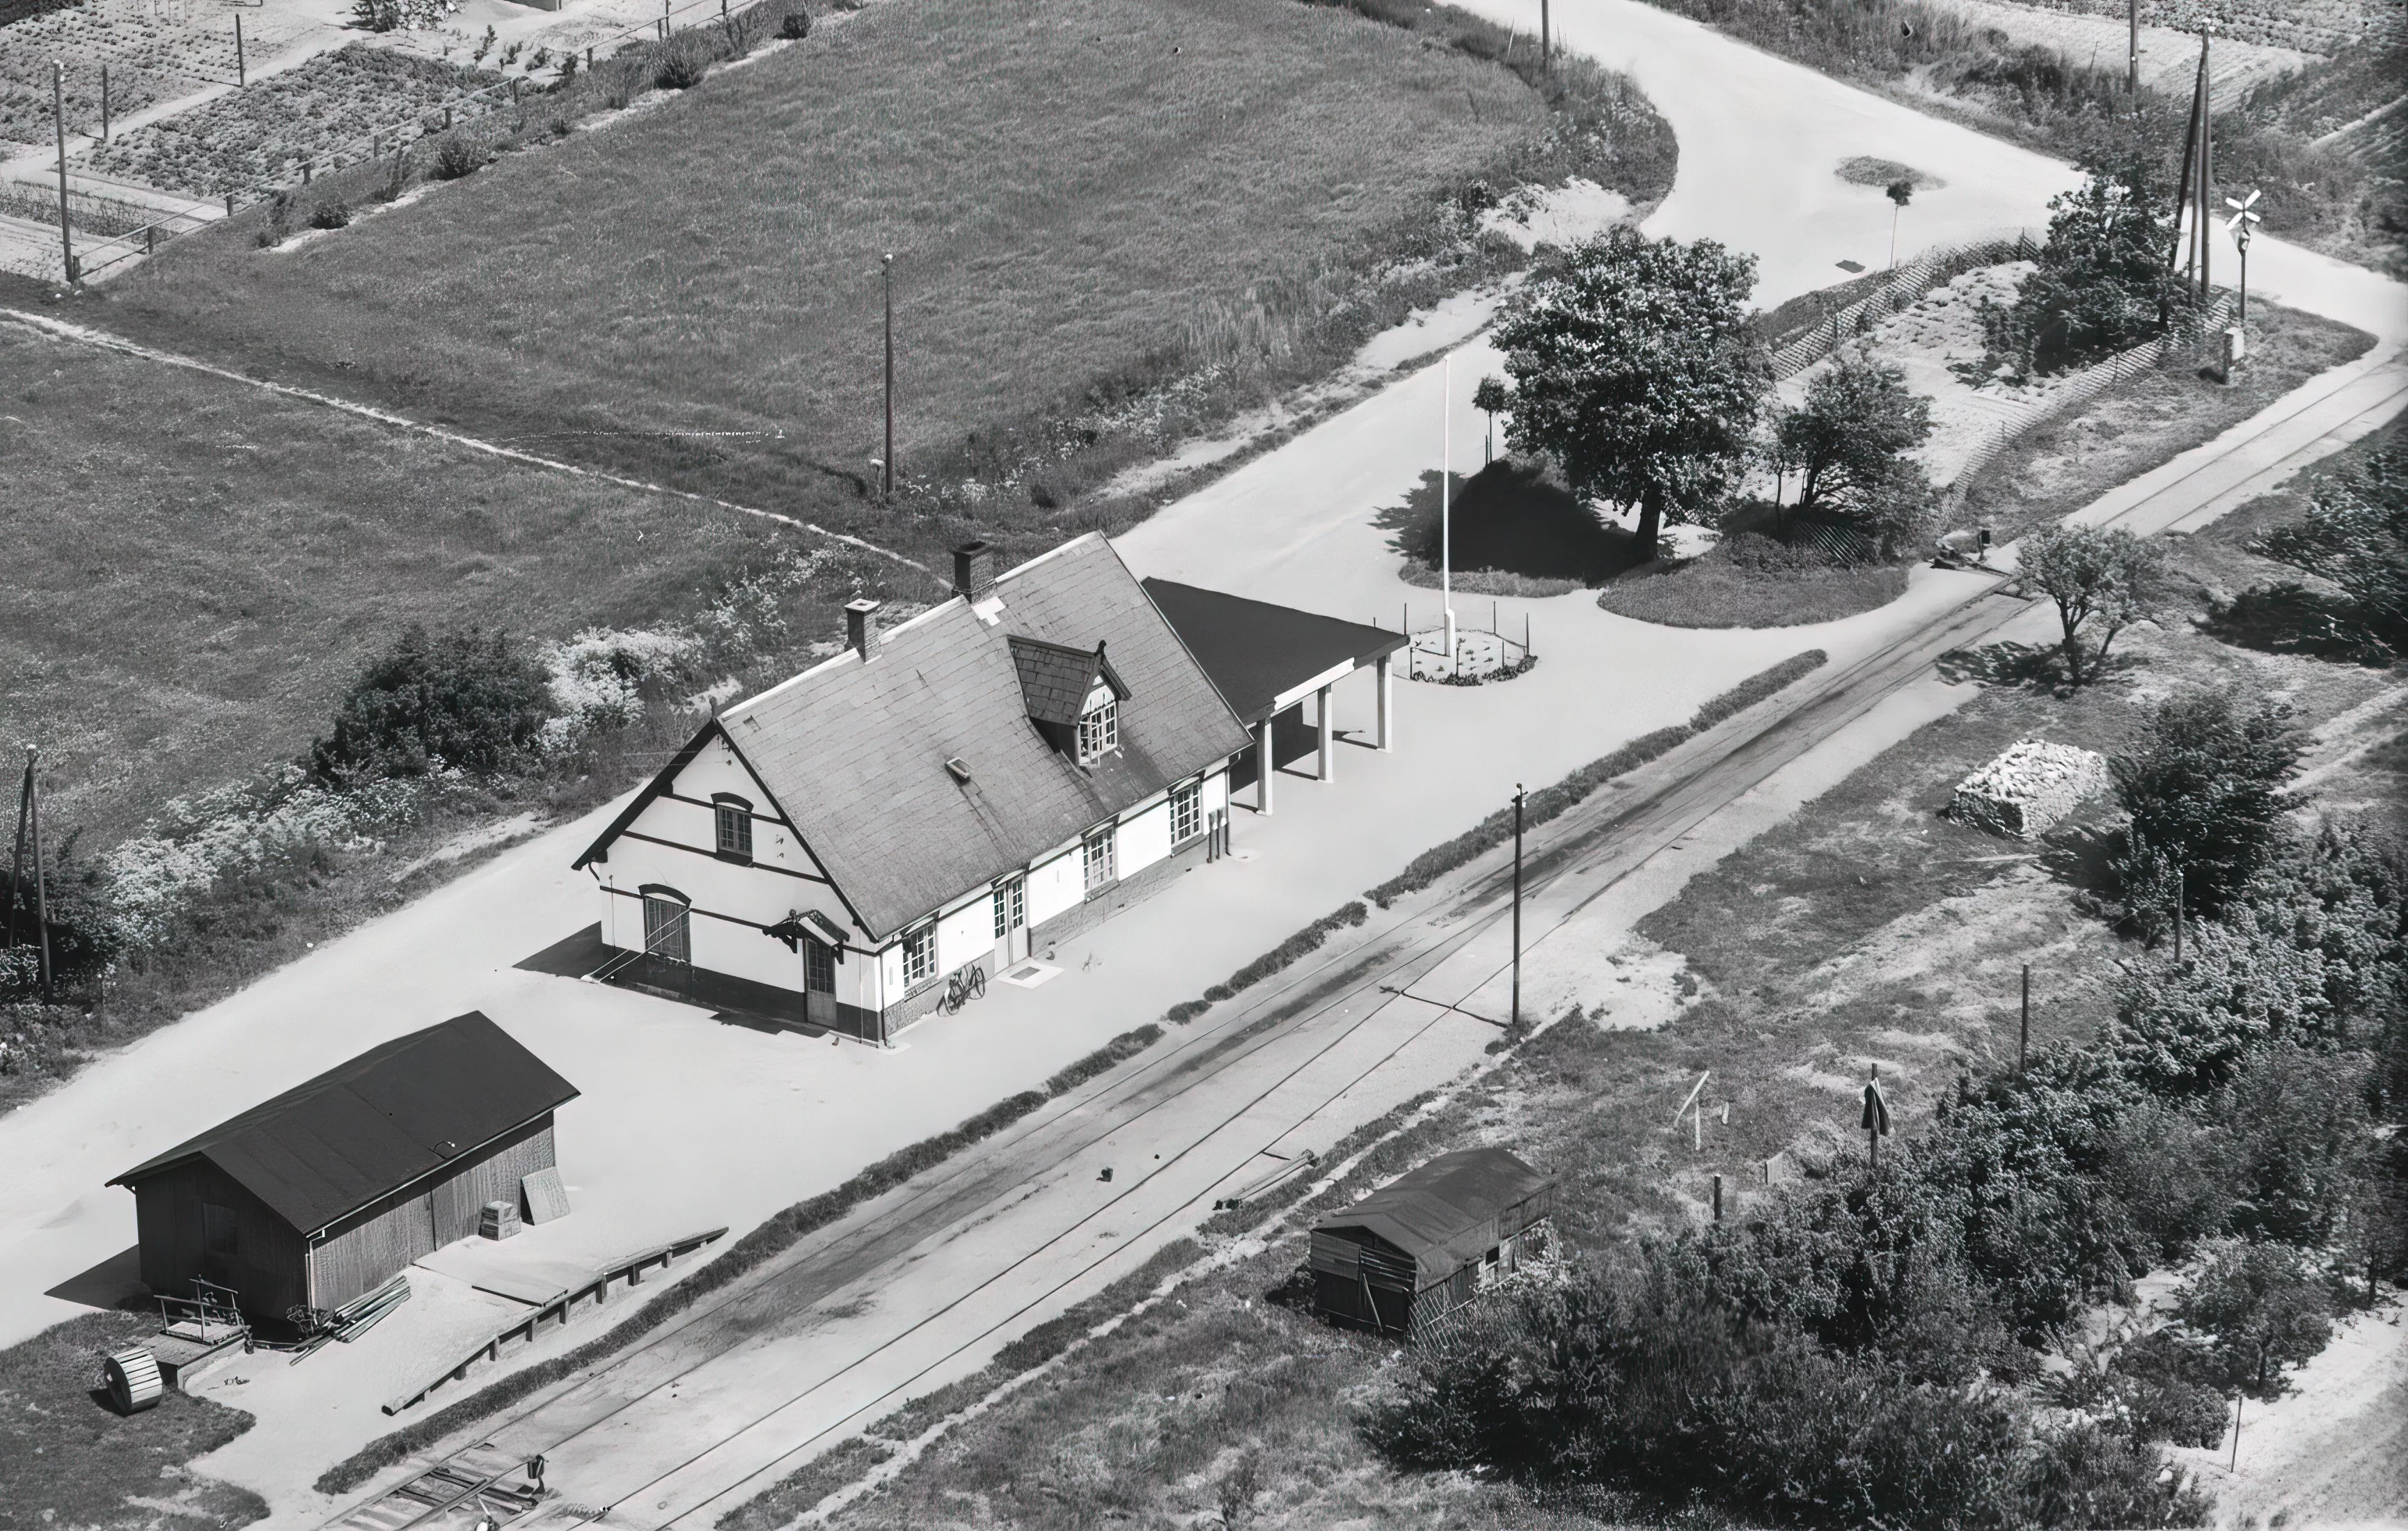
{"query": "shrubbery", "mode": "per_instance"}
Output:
(1869, 1349)
(1848, 444)
(463, 699)
(2203, 785)
(2102, 284)
(2355, 538)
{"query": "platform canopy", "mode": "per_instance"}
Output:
(1265, 658)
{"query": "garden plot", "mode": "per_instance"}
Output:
(155, 50)
(324, 113)
(1942, 332)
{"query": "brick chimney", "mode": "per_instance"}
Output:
(974, 570)
(861, 629)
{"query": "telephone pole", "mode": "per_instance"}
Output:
(2023, 1036)
(2132, 58)
(887, 466)
(1545, 40)
(59, 116)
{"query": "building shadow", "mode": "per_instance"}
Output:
(115, 1282)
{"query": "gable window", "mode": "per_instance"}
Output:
(1099, 729)
(1186, 812)
(1101, 855)
(735, 827)
(216, 1229)
(1011, 906)
(920, 955)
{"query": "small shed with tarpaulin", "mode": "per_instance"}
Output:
(1429, 1240)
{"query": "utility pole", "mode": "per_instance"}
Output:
(2023, 1036)
(2132, 58)
(1546, 51)
(29, 837)
(17, 860)
(2206, 169)
(241, 76)
(66, 234)
(104, 103)
(886, 264)
(1516, 1012)
(2178, 914)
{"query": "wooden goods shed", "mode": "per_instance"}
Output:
(1429, 1240)
(319, 1195)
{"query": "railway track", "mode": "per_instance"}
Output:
(1255, 1054)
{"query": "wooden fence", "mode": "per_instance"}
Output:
(2178, 340)
(1907, 286)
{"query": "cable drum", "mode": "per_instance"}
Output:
(131, 1378)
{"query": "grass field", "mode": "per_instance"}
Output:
(1082, 198)
(196, 568)
(1864, 927)
(72, 1461)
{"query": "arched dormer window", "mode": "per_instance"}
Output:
(734, 828)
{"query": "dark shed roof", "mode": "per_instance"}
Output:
(1257, 652)
(1443, 1212)
(368, 1128)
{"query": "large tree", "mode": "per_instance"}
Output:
(1635, 370)
(2106, 579)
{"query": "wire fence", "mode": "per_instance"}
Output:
(96, 202)
(1908, 286)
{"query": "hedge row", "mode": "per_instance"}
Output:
(1286, 953)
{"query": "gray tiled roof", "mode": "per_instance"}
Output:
(855, 753)
(1054, 679)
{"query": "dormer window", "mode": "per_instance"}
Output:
(1100, 727)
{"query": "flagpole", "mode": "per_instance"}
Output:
(1446, 505)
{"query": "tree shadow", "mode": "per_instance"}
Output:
(2021, 665)
(2081, 857)
(2289, 618)
(1511, 518)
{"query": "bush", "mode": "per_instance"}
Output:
(2203, 785)
(2258, 1307)
(795, 25)
(464, 699)
(2101, 284)
(679, 66)
(331, 215)
(2355, 538)
(456, 158)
